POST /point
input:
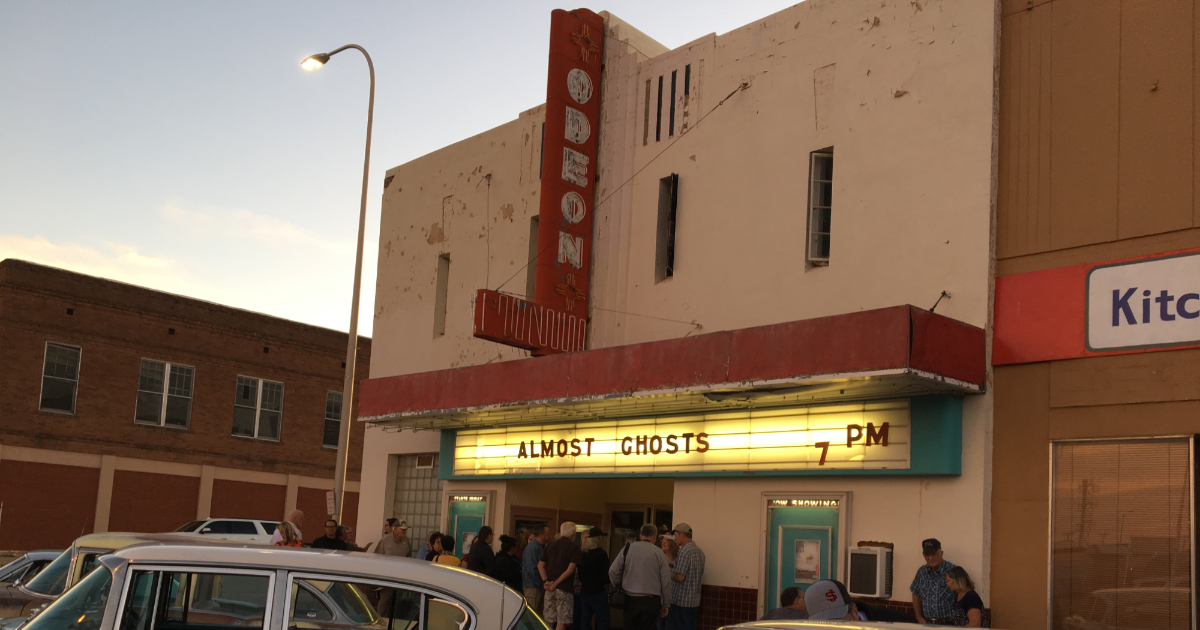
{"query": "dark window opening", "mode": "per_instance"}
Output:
(646, 119)
(658, 121)
(820, 206)
(443, 287)
(668, 199)
(671, 128)
(687, 79)
(531, 269)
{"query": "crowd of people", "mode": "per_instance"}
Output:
(942, 594)
(654, 581)
(574, 584)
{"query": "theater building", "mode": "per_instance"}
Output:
(757, 303)
(1096, 343)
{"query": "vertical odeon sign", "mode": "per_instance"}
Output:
(557, 319)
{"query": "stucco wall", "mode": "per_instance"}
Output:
(727, 515)
(904, 94)
(909, 116)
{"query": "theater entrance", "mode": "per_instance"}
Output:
(618, 506)
(805, 541)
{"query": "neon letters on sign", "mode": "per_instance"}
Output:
(563, 268)
(842, 437)
(512, 321)
(1144, 304)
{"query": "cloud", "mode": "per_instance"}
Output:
(233, 257)
(115, 261)
(239, 224)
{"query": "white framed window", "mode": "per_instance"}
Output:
(333, 419)
(164, 395)
(257, 408)
(60, 378)
(820, 205)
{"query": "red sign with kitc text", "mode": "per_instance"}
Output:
(568, 194)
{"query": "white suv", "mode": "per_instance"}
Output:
(246, 530)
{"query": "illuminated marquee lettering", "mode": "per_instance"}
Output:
(818, 503)
(864, 436)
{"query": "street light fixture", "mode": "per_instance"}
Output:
(343, 449)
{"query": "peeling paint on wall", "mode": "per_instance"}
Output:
(435, 234)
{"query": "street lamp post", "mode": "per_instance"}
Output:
(343, 448)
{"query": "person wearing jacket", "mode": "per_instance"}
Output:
(481, 558)
(508, 568)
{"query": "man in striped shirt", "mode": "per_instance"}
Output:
(688, 571)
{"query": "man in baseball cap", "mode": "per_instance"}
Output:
(828, 599)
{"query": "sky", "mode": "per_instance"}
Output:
(180, 146)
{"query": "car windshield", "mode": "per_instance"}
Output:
(13, 570)
(530, 621)
(191, 527)
(53, 579)
(82, 608)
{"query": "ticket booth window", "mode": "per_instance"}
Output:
(1121, 552)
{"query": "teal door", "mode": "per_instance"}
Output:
(802, 548)
(466, 517)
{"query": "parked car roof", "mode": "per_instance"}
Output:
(491, 599)
(809, 623)
(119, 540)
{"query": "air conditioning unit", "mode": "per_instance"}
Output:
(870, 572)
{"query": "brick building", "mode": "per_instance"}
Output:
(128, 409)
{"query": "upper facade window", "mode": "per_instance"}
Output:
(820, 206)
(333, 417)
(60, 378)
(164, 394)
(257, 408)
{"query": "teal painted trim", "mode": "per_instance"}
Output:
(936, 451)
(446, 455)
(937, 436)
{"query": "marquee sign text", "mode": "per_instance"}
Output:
(859, 436)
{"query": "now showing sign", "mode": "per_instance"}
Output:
(1144, 304)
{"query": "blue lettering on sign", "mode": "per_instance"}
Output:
(1182, 310)
(1122, 309)
(1121, 305)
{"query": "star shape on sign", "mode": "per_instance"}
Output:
(570, 293)
(583, 39)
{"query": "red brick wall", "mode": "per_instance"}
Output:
(117, 325)
(150, 502)
(243, 499)
(311, 501)
(724, 605)
(46, 505)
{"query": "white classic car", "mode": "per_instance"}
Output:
(196, 586)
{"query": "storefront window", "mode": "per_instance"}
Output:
(1122, 520)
